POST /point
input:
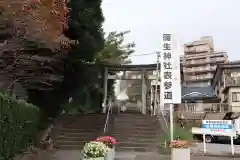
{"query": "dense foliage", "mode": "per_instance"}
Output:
(39, 52)
(46, 47)
(115, 51)
(85, 25)
(18, 126)
(32, 42)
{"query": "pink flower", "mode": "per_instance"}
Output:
(108, 140)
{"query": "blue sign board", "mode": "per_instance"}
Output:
(217, 126)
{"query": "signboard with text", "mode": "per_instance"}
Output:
(170, 70)
(218, 127)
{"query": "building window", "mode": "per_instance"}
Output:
(236, 96)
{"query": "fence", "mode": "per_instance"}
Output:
(194, 113)
(196, 108)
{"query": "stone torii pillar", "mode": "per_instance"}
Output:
(144, 93)
(105, 86)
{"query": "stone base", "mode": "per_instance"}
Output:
(180, 154)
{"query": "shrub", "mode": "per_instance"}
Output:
(18, 126)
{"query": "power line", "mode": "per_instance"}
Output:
(146, 54)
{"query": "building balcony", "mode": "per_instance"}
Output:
(197, 78)
(200, 69)
(196, 50)
(231, 82)
(198, 62)
(217, 59)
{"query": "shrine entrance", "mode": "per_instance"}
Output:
(144, 74)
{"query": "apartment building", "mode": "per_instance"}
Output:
(226, 84)
(199, 62)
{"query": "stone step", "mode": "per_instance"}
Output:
(135, 118)
(136, 127)
(83, 125)
(79, 130)
(135, 115)
(136, 139)
(134, 132)
(76, 130)
(74, 134)
(70, 142)
(123, 135)
(73, 138)
(137, 123)
(85, 121)
(138, 144)
(134, 149)
(69, 147)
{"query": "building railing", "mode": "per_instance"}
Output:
(206, 60)
(200, 69)
(187, 78)
(202, 107)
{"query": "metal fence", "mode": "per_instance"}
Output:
(194, 112)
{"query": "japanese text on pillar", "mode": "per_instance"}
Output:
(167, 66)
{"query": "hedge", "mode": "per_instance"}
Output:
(18, 126)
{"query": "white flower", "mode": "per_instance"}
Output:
(95, 149)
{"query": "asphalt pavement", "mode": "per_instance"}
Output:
(216, 149)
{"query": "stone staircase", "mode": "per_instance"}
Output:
(75, 130)
(135, 132)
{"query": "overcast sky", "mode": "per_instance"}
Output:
(190, 19)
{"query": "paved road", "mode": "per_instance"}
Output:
(211, 158)
(74, 155)
(216, 148)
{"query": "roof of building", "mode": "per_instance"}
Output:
(196, 93)
(233, 64)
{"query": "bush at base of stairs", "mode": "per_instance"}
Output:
(18, 126)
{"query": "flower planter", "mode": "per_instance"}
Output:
(180, 153)
(110, 154)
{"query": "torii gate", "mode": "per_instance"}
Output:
(143, 77)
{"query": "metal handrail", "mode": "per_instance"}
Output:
(107, 118)
(164, 118)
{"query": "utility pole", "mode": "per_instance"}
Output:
(156, 83)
